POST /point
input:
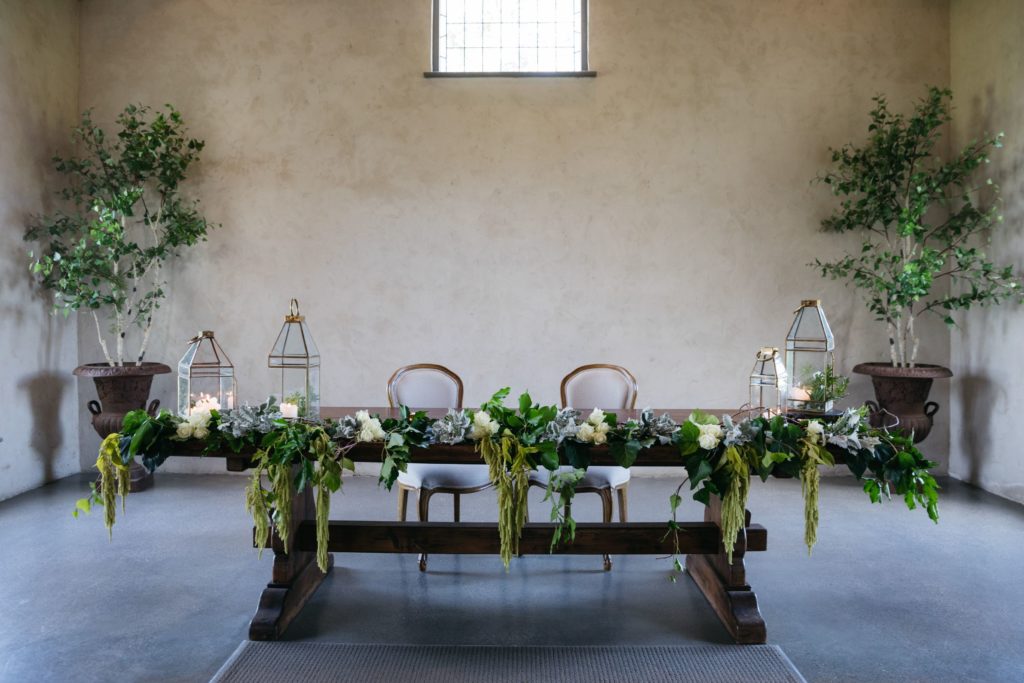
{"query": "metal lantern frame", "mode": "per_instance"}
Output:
(218, 372)
(819, 346)
(768, 382)
(295, 353)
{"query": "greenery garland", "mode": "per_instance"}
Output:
(719, 455)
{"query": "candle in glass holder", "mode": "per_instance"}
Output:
(799, 394)
(289, 410)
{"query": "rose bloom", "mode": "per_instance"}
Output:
(586, 432)
(596, 417)
(815, 431)
(184, 430)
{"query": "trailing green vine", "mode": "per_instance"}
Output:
(719, 454)
(560, 491)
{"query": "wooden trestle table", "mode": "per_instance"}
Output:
(295, 575)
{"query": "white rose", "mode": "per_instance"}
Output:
(362, 416)
(707, 442)
(600, 437)
(596, 417)
(373, 424)
(184, 430)
(483, 425)
(200, 432)
(586, 433)
(365, 434)
(199, 418)
(602, 428)
(815, 431)
(709, 437)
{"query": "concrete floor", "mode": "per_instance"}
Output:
(887, 596)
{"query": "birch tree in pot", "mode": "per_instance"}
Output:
(104, 256)
(922, 214)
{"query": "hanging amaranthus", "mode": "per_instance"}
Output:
(810, 479)
(280, 477)
(256, 506)
(509, 470)
(329, 472)
(114, 479)
(734, 500)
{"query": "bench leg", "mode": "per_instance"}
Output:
(295, 577)
(725, 585)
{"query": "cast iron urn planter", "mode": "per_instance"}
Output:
(122, 389)
(903, 393)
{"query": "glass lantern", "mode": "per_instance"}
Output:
(206, 377)
(298, 359)
(768, 382)
(810, 358)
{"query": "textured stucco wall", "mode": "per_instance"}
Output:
(987, 56)
(659, 216)
(38, 103)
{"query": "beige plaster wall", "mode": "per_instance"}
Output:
(38, 104)
(659, 216)
(987, 55)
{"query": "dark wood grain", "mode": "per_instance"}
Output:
(295, 575)
(724, 583)
(481, 538)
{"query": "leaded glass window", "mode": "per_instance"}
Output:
(510, 37)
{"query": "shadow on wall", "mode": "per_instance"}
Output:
(979, 395)
(45, 394)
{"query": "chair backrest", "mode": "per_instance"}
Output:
(599, 386)
(425, 385)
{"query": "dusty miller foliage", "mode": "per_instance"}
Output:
(738, 433)
(661, 429)
(346, 429)
(451, 429)
(248, 418)
(563, 426)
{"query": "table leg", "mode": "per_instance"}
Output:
(295, 577)
(725, 585)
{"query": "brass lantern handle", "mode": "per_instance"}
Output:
(293, 313)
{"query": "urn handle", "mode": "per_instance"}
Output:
(930, 408)
(154, 406)
(94, 407)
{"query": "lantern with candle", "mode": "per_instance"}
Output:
(206, 377)
(295, 354)
(810, 359)
(768, 382)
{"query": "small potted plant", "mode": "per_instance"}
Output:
(920, 217)
(104, 255)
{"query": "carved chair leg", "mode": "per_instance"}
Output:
(424, 513)
(403, 502)
(623, 492)
(606, 516)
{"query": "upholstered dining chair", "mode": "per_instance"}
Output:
(604, 386)
(426, 385)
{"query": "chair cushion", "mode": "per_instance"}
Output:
(420, 475)
(597, 477)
